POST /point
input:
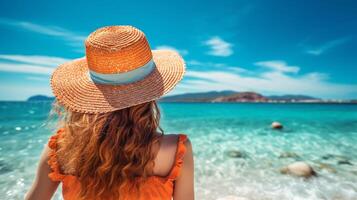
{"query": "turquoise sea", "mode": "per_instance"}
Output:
(323, 135)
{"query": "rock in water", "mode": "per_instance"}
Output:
(276, 125)
(235, 154)
(341, 160)
(5, 168)
(335, 157)
(289, 155)
(300, 169)
(327, 167)
(344, 162)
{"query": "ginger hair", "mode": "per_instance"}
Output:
(109, 153)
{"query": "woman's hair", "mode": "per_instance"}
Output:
(109, 153)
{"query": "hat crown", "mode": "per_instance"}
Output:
(117, 49)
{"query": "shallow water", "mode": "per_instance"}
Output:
(316, 133)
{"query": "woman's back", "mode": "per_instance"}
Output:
(172, 153)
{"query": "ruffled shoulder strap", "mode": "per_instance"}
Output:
(55, 175)
(180, 153)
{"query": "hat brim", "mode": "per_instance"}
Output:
(73, 87)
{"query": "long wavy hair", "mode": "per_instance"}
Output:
(110, 153)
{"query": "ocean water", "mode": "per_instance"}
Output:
(323, 135)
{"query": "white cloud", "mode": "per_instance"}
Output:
(214, 65)
(316, 51)
(278, 65)
(34, 59)
(37, 78)
(25, 68)
(183, 52)
(275, 81)
(205, 64)
(73, 38)
(30, 64)
(219, 47)
(194, 63)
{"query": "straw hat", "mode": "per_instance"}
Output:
(119, 70)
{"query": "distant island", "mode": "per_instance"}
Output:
(40, 98)
(242, 97)
(231, 96)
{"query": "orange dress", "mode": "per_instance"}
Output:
(155, 188)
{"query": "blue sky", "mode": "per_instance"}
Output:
(271, 47)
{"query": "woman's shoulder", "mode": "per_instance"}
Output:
(171, 145)
(169, 141)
